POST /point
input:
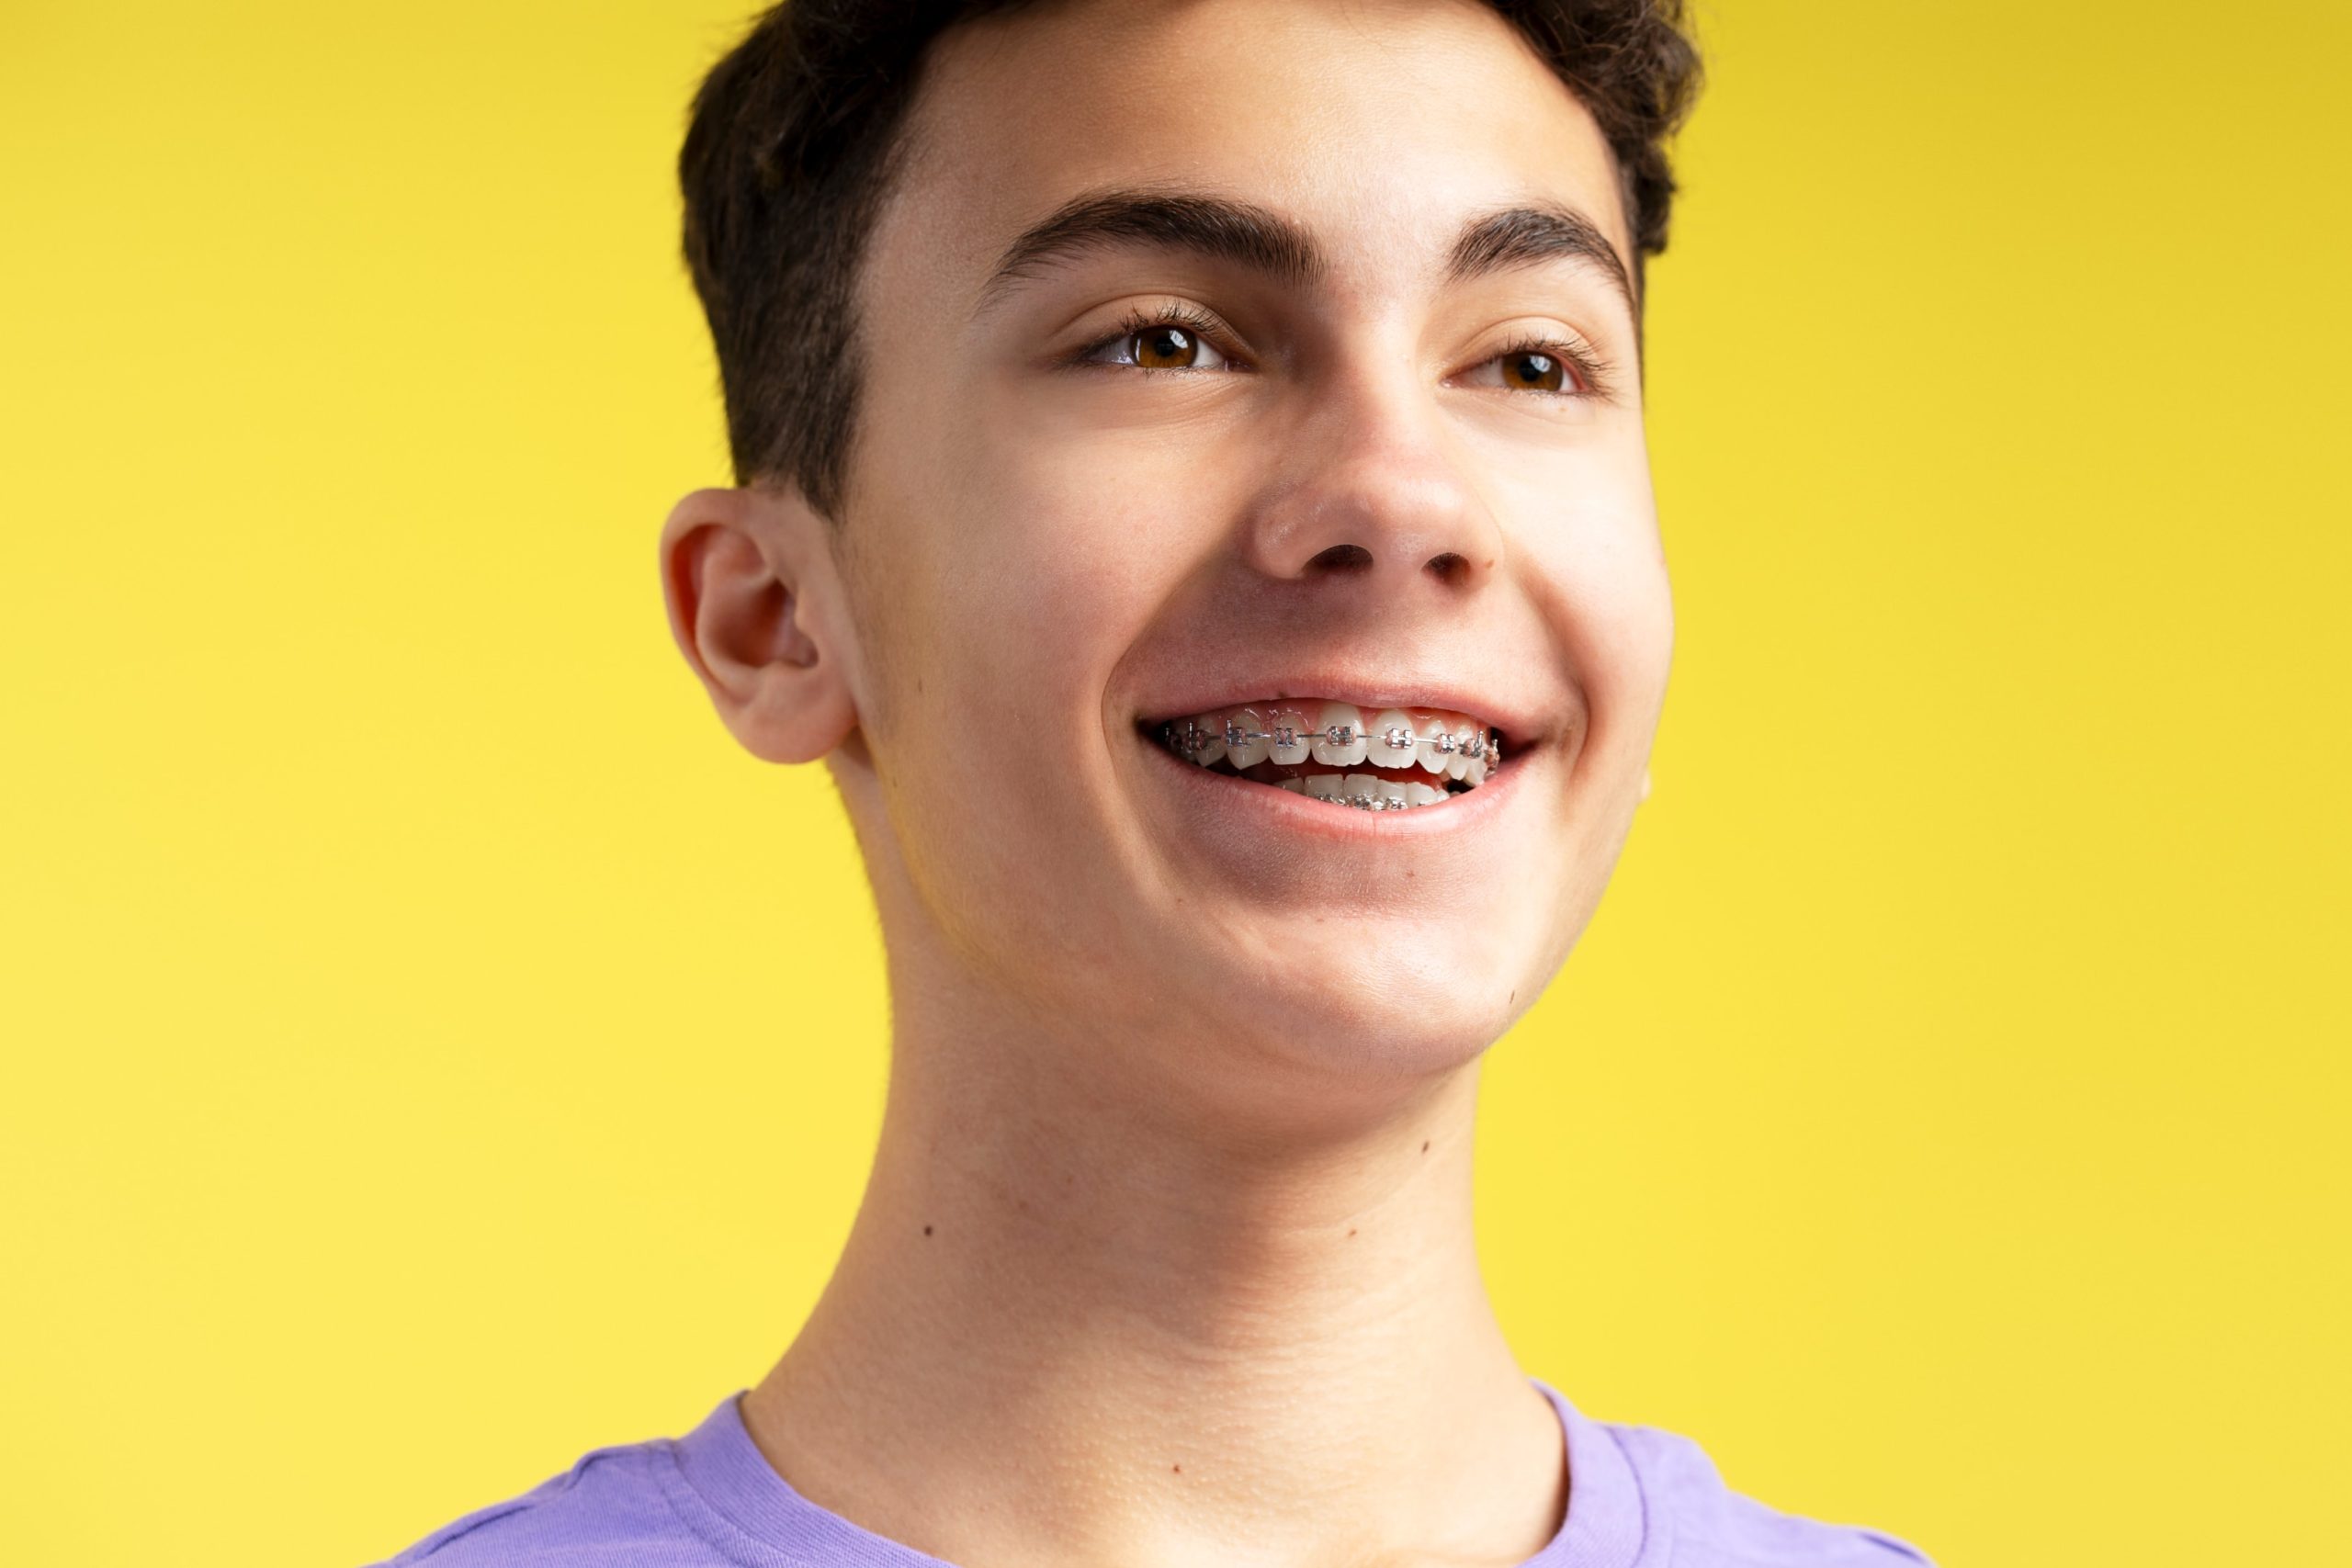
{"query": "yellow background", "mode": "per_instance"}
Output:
(432, 1049)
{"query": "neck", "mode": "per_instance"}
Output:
(1104, 1315)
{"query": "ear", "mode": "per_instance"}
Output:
(755, 605)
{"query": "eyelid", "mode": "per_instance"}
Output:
(1587, 365)
(1202, 323)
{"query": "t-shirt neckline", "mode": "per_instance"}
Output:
(725, 1487)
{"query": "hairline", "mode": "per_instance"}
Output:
(905, 145)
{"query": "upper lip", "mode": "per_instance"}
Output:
(1515, 717)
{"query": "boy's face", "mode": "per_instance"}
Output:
(1340, 478)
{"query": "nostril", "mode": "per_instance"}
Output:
(1341, 558)
(1449, 567)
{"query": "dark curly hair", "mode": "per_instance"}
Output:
(794, 138)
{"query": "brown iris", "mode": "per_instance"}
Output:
(1541, 371)
(1166, 348)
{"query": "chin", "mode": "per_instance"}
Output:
(1344, 994)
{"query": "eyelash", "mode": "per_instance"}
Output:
(1585, 366)
(1594, 374)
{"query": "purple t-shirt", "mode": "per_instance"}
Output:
(1638, 1498)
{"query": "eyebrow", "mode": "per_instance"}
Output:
(1250, 236)
(1528, 236)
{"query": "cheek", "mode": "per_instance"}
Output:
(1625, 620)
(1013, 571)
(1051, 542)
(1585, 524)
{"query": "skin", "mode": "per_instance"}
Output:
(1167, 1256)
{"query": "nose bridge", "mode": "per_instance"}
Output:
(1372, 487)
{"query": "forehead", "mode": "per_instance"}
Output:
(1376, 125)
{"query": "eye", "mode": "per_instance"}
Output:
(1542, 364)
(1163, 340)
(1538, 372)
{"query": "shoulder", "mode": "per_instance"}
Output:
(1713, 1526)
(609, 1508)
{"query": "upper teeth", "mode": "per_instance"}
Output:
(1339, 737)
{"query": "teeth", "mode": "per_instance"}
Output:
(1368, 791)
(1246, 744)
(1427, 753)
(1290, 737)
(1203, 742)
(1344, 718)
(1430, 751)
(1387, 731)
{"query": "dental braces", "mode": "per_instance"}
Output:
(1191, 741)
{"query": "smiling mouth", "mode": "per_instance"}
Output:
(1391, 760)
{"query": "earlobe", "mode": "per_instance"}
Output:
(753, 603)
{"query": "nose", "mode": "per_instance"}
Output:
(1373, 490)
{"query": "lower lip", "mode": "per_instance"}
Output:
(1245, 803)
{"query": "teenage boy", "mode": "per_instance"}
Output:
(1195, 504)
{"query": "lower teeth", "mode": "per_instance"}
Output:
(1364, 796)
(1356, 791)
